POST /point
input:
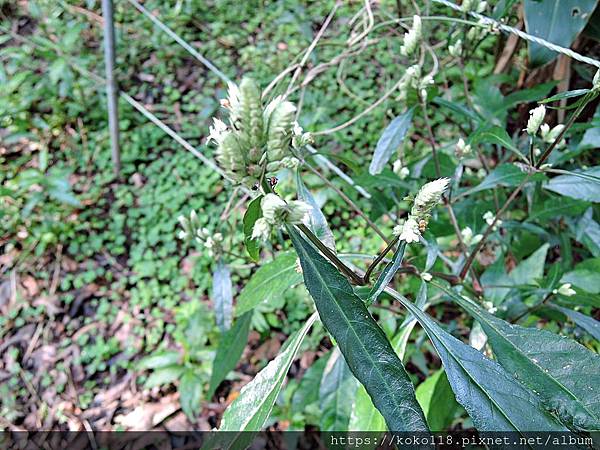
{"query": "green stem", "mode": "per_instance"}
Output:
(330, 255)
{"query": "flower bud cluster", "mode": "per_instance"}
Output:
(275, 213)
(426, 199)
(257, 137)
(191, 229)
(462, 148)
(412, 38)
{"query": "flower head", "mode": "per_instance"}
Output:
(428, 197)
(412, 38)
(277, 212)
(536, 117)
(550, 135)
(425, 200)
(408, 231)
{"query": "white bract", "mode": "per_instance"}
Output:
(412, 38)
(276, 212)
(536, 117)
(425, 200)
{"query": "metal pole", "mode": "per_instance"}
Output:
(111, 84)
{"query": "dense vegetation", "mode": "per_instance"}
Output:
(115, 319)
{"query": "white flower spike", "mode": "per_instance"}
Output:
(536, 118)
(412, 38)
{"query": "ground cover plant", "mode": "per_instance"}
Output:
(400, 231)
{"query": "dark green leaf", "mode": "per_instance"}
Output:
(222, 296)
(591, 326)
(336, 394)
(492, 397)
(504, 175)
(231, 346)
(531, 268)
(564, 374)
(580, 185)
(588, 280)
(496, 135)
(252, 214)
(190, 393)
(556, 207)
(591, 137)
(390, 140)
(558, 22)
(457, 108)
(271, 280)
(363, 344)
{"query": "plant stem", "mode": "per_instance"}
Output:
(349, 202)
(378, 259)
(330, 255)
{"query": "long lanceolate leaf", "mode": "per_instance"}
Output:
(363, 344)
(252, 407)
(566, 374)
(493, 398)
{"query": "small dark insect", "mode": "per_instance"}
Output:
(272, 181)
(255, 187)
(422, 225)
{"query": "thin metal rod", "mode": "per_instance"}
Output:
(111, 84)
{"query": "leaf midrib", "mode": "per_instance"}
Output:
(350, 327)
(426, 325)
(538, 367)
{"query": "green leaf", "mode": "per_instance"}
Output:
(190, 393)
(492, 397)
(504, 175)
(580, 185)
(588, 280)
(336, 392)
(457, 108)
(252, 407)
(317, 223)
(362, 342)
(555, 207)
(565, 94)
(390, 140)
(365, 416)
(558, 22)
(590, 325)
(587, 231)
(270, 280)
(251, 215)
(437, 400)
(160, 359)
(387, 274)
(231, 346)
(531, 268)
(591, 137)
(401, 339)
(563, 373)
(496, 135)
(308, 389)
(164, 375)
(222, 296)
